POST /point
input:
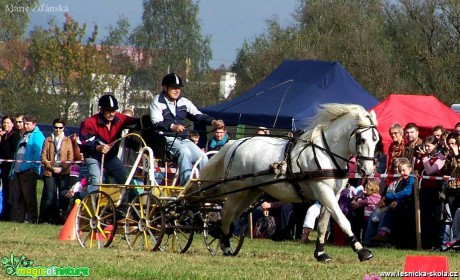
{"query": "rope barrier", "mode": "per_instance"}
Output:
(38, 161)
(351, 175)
(73, 161)
(439, 178)
(158, 169)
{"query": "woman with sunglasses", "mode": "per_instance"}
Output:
(56, 157)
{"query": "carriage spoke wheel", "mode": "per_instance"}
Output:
(212, 231)
(145, 223)
(179, 232)
(96, 222)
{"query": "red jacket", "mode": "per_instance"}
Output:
(94, 131)
(431, 166)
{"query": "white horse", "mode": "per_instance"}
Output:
(315, 167)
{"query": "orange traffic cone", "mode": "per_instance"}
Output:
(107, 231)
(68, 230)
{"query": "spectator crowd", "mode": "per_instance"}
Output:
(26, 156)
(387, 217)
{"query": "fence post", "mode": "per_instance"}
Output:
(251, 236)
(418, 229)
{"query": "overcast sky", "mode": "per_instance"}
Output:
(228, 22)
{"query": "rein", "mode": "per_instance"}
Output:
(323, 174)
(292, 177)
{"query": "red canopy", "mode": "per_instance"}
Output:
(424, 110)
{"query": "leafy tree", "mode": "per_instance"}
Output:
(123, 60)
(16, 87)
(388, 46)
(68, 67)
(118, 34)
(170, 39)
(425, 35)
(255, 60)
(14, 18)
(352, 33)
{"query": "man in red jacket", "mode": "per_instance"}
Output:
(98, 135)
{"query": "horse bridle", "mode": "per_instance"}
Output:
(359, 141)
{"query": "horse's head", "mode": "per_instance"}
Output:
(363, 140)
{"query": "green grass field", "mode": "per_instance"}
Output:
(258, 259)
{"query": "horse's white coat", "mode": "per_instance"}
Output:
(338, 121)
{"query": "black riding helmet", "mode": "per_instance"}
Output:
(172, 80)
(108, 101)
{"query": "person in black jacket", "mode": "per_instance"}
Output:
(9, 142)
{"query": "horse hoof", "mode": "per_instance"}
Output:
(324, 258)
(364, 254)
(227, 251)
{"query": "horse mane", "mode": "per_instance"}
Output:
(327, 113)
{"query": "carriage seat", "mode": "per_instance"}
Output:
(155, 140)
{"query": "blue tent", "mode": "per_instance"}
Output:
(289, 96)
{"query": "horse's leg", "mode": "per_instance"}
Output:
(233, 208)
(323, 223)
(331, 204)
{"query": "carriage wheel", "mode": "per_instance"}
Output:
(212, 231)
(96, 222)
(145, 223)
(179, 232)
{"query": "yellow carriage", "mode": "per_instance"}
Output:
(103, 213)
(158, 218)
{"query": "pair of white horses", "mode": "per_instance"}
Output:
(316, 169)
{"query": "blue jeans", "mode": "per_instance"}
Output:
(114, 168)
(387, 219)
(48, 205)
(187, 153)
(373, 228)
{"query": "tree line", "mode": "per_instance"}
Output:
(403, 46)
(60, 70)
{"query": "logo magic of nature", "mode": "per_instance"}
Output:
(22, 267)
